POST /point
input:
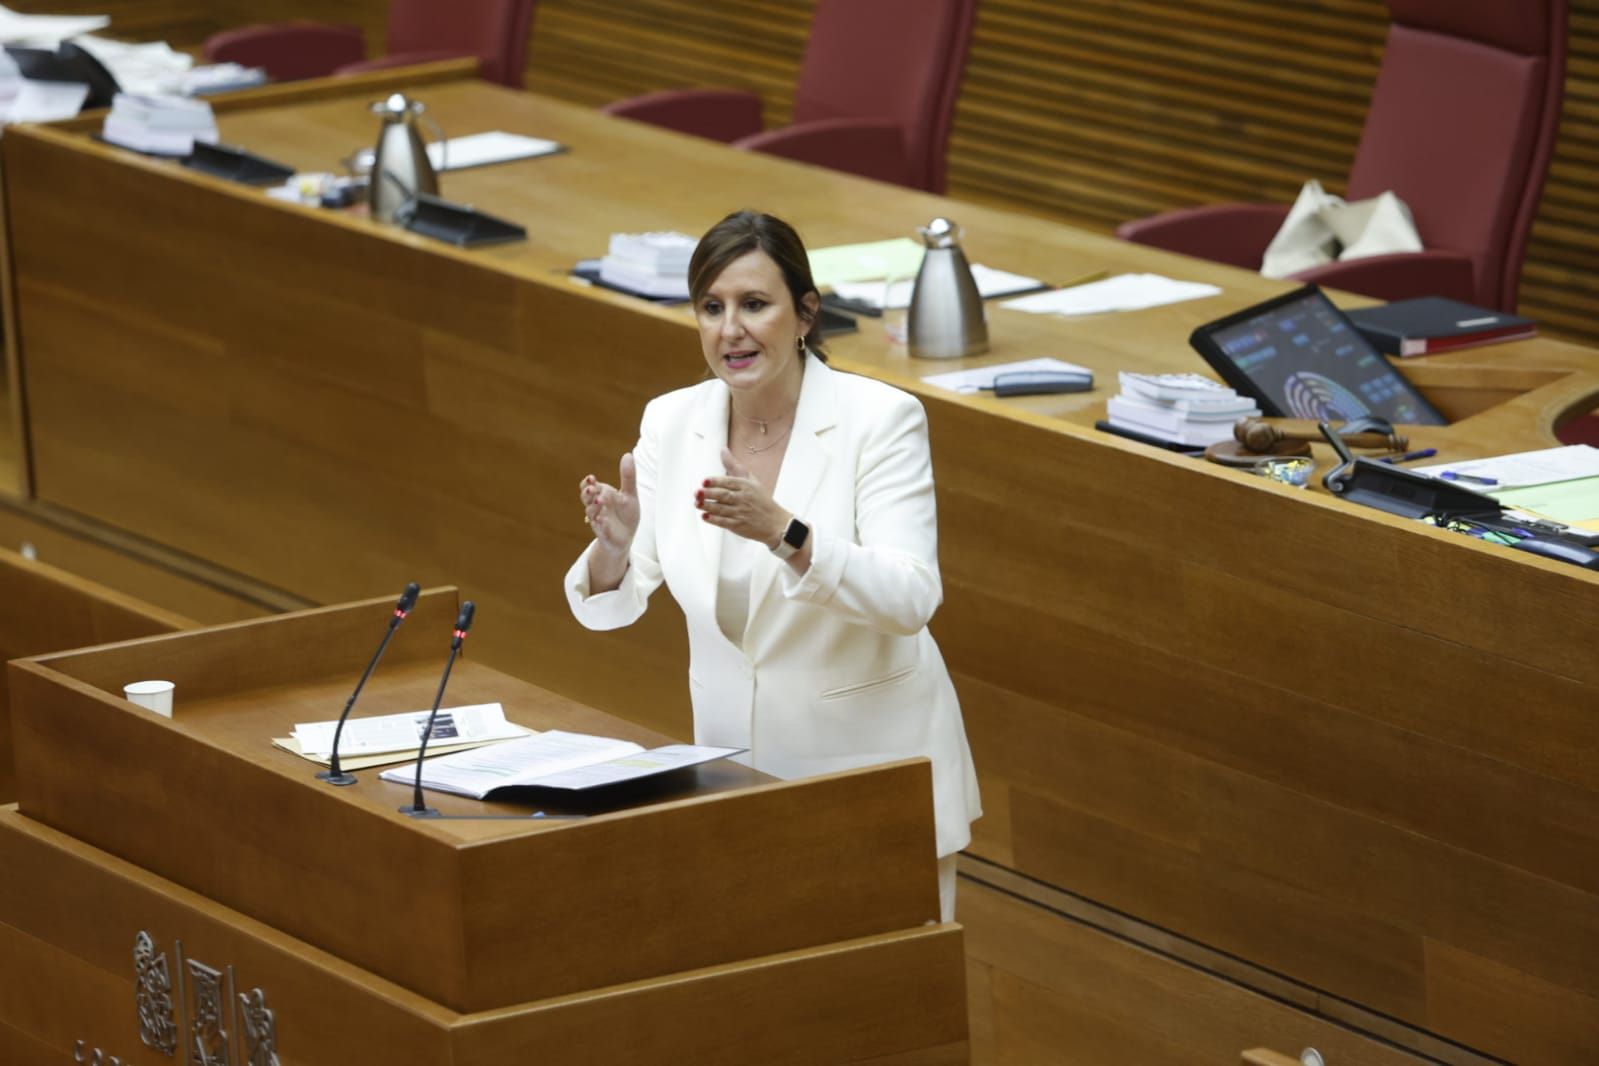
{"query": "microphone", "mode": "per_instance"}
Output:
(463, 624)
(333, 775)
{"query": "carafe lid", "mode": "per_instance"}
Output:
(940, 233)
(397, 106)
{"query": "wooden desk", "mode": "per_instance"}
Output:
(46, 609)
(619, 937)
(1357, 752)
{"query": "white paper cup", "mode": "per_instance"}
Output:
(156, 695)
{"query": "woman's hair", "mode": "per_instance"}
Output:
(746, 231)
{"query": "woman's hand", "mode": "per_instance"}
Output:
(740, 504)
(613, 515)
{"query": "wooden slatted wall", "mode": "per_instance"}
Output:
(1091, 112)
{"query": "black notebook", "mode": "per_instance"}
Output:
(1431, 324)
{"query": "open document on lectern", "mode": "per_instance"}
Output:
(556, 759)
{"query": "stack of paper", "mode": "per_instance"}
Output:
(1124, 292)
(650, 264)
(150, 68)
(1181, 408)
(217, 78)
(394, 737)
(46, 31)
(165, 125)
(1561, 484)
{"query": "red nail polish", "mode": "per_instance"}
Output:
(706, 483)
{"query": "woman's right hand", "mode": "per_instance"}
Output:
(612, 512)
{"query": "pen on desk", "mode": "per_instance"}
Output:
(1410, 457)
(1450, 475)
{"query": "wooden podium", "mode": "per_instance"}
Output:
(719, 916)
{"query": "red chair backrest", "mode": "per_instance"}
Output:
(496, 31)
(896, 60)
(1462, 126)
(287, 51)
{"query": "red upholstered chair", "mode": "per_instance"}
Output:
(876, 93)
(1462, 125)
(495, 31)
(287, 51)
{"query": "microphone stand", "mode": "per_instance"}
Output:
(334, 774)
(463, 622)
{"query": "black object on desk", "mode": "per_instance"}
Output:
(835, 322)
(1298, 356)
(1039, 382)
(68, 63)
(458, 224)
(1105, 426)
(232, 163)
(1399, 491)
(832, 300)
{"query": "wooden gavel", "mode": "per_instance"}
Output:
(1259, 436)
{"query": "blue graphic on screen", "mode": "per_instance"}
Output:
(1313, 364)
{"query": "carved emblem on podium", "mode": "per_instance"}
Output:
(214, 1026)
(260, 1029)
(157, 1028)
(208, 1000)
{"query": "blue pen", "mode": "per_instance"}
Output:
(1450, 475)
(1409, 457)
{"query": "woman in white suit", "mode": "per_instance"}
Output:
(789, 508)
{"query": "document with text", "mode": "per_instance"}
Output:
(554, 759)
(476, 723)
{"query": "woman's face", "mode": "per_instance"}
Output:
(749, 324)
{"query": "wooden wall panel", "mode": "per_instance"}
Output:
(1091, 113)
(1047, 990)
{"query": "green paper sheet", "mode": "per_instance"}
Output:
(897, 258)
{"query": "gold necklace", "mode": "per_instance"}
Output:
(758, 421)
(768, 447)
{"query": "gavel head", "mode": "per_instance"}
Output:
(1256, 435)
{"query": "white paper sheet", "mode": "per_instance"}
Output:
(1542, 467)
(480, 771)
(990, 282)
(403, 732)
(152, 67)
(46, 30)
(1124, 292)
(47, 101)
(983, 377)
(481, 149)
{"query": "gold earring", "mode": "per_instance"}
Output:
(799, 345)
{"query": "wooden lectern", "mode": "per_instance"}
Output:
(179, 890)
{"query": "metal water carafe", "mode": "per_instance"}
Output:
(400, 164)
(946, 314)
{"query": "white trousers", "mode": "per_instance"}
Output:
(946, 888)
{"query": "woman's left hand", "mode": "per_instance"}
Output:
(740, 504)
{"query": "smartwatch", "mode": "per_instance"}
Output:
(792, 540)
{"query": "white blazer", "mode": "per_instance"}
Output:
(836, 669)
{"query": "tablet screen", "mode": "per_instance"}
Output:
(1299, 357)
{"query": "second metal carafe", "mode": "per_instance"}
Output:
(400, 166)
(946, 313)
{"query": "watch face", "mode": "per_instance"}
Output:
(796, 533)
